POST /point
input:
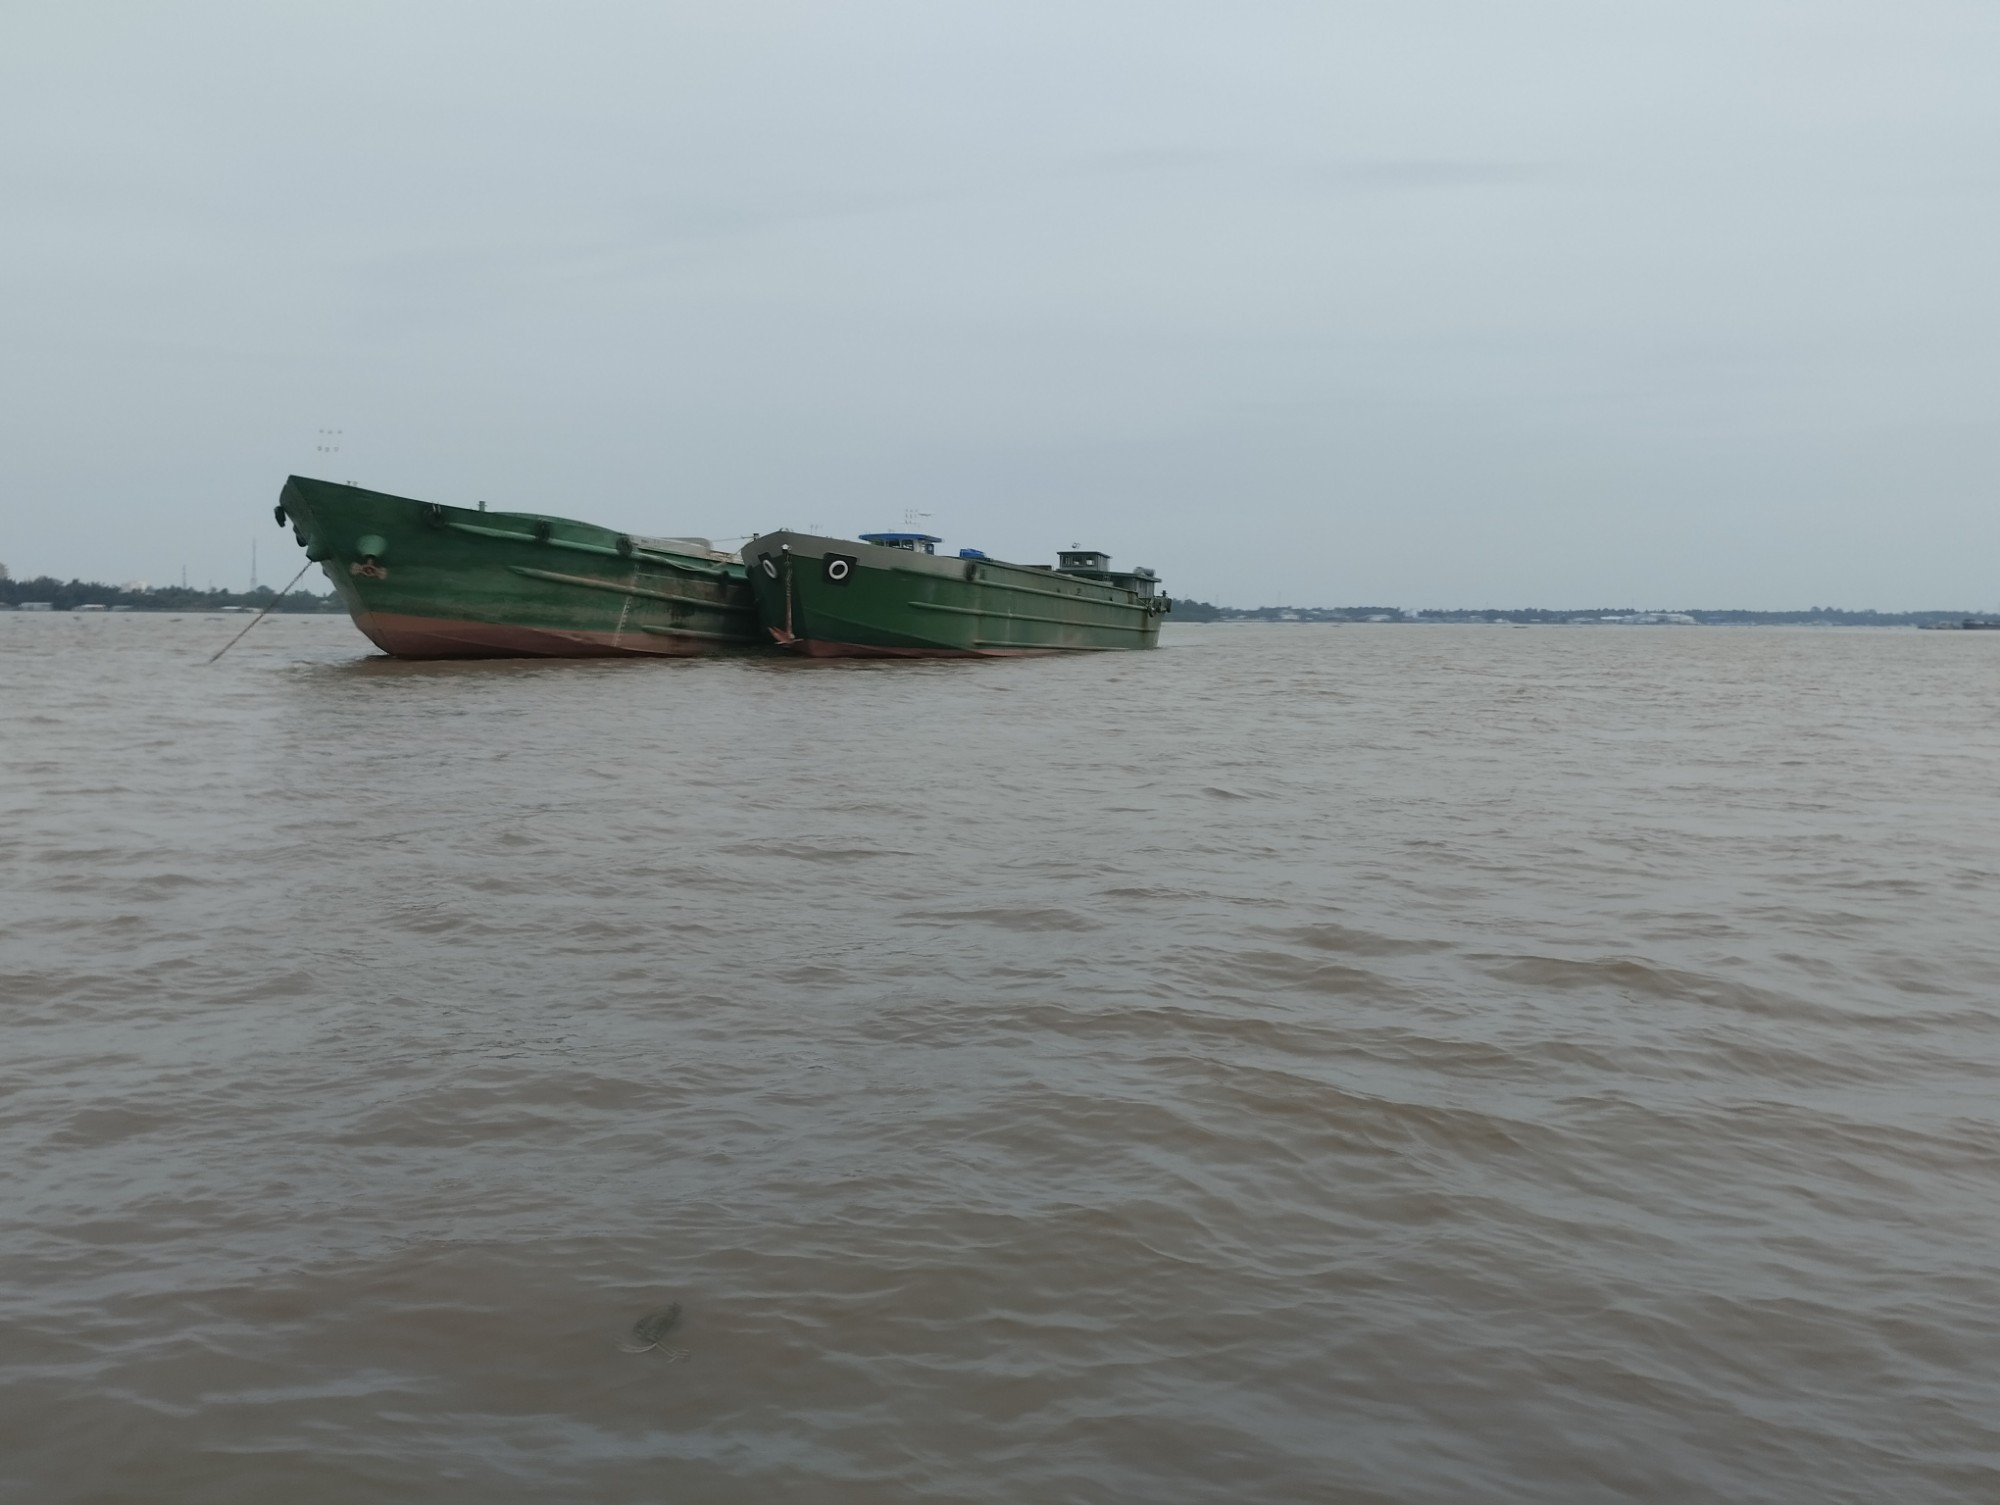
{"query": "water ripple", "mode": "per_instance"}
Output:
(1363, 1064)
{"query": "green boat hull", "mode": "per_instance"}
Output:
(424, 580)
(838, 598)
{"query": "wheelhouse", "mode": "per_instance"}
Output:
(916, 543)
(1092, 565)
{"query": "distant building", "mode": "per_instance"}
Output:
(38, 606)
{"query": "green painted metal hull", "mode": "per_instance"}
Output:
(424, 580)
(892, 603)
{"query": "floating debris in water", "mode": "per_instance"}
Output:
(652, 1327)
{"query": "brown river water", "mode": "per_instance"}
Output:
(1380, 1063)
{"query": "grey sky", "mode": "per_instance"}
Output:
(1468, 302)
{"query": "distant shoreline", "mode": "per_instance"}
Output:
(1604, 616)
(46, 593)
(49, 594)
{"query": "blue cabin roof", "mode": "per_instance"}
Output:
(893, 538)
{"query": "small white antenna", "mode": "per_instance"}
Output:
(910, 516)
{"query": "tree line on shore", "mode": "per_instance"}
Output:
(68, 595)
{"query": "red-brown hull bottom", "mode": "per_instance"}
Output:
(403, 636)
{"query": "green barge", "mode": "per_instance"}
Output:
(424, 580)
(892, 595)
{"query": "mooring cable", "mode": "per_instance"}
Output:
(264, 613)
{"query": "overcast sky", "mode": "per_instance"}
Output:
(1416, 302)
